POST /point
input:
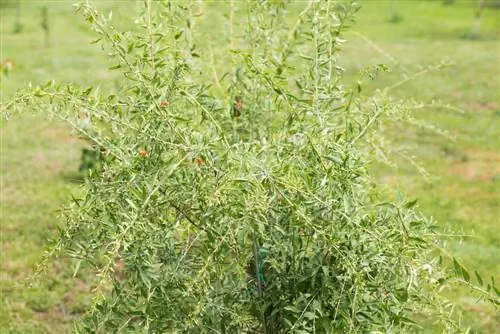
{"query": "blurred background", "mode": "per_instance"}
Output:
(39, 159)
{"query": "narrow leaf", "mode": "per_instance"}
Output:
(479, 279)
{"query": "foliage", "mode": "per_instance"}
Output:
(8, 3)
(90, 160)
(493, 4)
(395, 18)
(245, 208)
(18, 27)
(448, 2)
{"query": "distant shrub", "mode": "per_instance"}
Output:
(471, 35)
(8, 3)
(395, 18)
(493, 4)
(246, 205)
(18, 26)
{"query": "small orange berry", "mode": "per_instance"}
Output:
(237, 107)
(199, 161)
(143, 153)
(164, 104)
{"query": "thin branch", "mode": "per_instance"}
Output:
(214, 71)
(368, 125)
(150, 34)
(380, 50)
(415, 75)
(191, 221)
(405, 230)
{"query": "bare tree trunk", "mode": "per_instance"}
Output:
(45, 25)
(477, 26)
(480, 4)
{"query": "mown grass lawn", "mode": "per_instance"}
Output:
(40, 158)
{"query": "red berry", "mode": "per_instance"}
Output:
(199, 160)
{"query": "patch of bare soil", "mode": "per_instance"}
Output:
(480, 166)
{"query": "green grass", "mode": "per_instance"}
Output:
(39, 158)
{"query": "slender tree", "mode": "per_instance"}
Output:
(45, 25)
(479, 6)
(18, 26)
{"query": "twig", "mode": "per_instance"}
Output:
(405, 230)
(191, 221)
(368, 125)
(259, 283)
(381, 51)
(413, 76)
(214, 71)
(150, 33)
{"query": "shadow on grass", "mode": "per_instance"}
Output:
(73, 177)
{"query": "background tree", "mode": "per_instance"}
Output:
(479, 6)
(18, 26)
(45, 24)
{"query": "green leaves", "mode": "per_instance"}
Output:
(178, 34)
(262, 219)
(411, 204)
(461, 271)
(479, 278)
